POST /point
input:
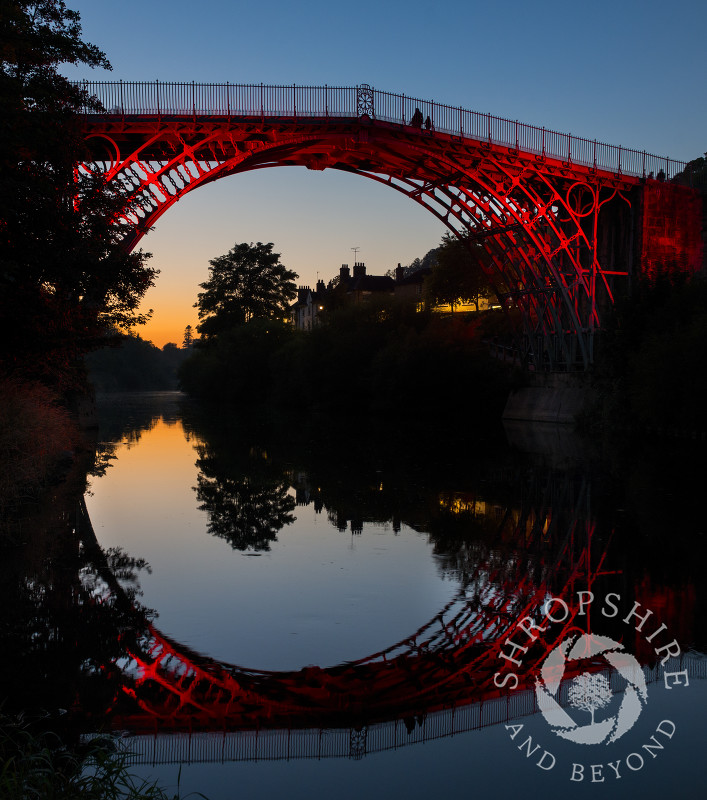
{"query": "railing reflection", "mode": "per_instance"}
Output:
(509, 534)
(355, 743)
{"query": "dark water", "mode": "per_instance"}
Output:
(334, 608)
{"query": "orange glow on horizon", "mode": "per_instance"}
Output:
(161, 330)
(172, 301)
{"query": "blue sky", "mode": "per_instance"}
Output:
(625, 72)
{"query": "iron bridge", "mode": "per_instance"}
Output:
(564, 222)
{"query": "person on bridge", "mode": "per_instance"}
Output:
(416, 120)
(428, 124)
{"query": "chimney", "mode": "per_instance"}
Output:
(359, 269)
(344, 274)
(320, 286)
(399, 272)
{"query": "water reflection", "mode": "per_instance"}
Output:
(506, 529)
(69, 614)
(247, 502)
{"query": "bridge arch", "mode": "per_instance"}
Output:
(451, 660)
(539, 203)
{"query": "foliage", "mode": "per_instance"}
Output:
(377, 357)
(245, 496)
(443, 368)
(694, 174)
(36, 763)
(132, 364)
(64, 273)
(235, 367)
(458, 274)
(652, 364)
(35, 434)
(248, 282)
(428, 261)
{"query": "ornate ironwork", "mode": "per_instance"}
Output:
(451, 660)
(358, 739)
(364, 101)
(540, 203)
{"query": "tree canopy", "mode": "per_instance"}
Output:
(64, 273)
(458, 275)
(248, 282)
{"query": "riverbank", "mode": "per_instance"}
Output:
(365, 361)
(38, 441)
(37, 762)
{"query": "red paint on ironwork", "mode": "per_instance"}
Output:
(537, 216)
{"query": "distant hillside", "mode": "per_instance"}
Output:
(134, 364)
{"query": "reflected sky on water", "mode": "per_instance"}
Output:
(316, 595)
(276, 549)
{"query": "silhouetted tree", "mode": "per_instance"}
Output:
(694, 174)
(64, 274)
(247, 503)
(457, 275)
(133, 364)
(246, 513)
(246, 283)
(188, 338)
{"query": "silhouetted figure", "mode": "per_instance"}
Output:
(416, 120)
(428, 124)
(660, 176)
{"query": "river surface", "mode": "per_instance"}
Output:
(341, 609)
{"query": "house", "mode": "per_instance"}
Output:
(305, 311)
(411, 287)
(361, 287)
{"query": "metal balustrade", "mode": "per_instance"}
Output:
(160, 99)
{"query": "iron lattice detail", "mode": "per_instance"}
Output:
(551, 227)
(449, 661)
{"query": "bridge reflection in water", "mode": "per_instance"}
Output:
(318, 743)
(179, 705)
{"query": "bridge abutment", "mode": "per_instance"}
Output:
(671, 237)
(557, 398)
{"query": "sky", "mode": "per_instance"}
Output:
(629, 73)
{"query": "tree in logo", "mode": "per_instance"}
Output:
(589, 693)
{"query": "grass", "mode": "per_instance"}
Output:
(35, 763)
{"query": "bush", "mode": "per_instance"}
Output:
(652, 365)
(235, 367)
(36, 433)
(379, 358)
(36, 763)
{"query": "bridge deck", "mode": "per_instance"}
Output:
(305, 104)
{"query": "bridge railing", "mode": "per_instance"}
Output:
(232, 99)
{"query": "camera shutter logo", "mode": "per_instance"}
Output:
(590, 691)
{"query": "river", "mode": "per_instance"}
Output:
(336, 608)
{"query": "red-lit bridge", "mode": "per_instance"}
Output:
(181, 705)
(449, 662)
(565, 222)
